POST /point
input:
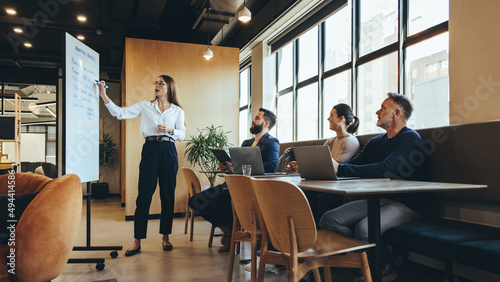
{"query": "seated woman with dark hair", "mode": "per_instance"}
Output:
(343, 147)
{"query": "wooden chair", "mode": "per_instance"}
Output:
(193, 187)
(245, 223)
(289, 224)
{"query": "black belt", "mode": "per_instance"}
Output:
(159, 138)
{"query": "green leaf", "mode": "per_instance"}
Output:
(198, 147)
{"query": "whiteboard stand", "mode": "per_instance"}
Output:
(99, 261)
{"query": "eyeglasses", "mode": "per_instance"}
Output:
(161, 83)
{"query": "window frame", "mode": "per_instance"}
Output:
(403, 41)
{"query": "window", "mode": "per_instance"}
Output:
(336, 89)
(244, 119)
(308, 54)
(379, 24)
(429, 93)
(408, 56)
(284, 64)
(284, 125)
(421, 16)
(307, 112)
(383, 78)
(338, 39)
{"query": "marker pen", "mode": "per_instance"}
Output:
(104, 85)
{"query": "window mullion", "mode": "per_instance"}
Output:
(295, 65)
(321, 70)
(355, 35)
(402, 35)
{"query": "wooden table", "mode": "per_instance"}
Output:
(209, 172)
(372, 189)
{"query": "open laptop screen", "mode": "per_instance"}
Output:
(247, 156)
(315, 162)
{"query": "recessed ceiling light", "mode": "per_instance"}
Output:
(18, 30)
(81, 37)
(11, 11)
(27, 44)
(82, 18)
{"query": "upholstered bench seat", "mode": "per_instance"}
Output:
(483, 254)
(438, 238)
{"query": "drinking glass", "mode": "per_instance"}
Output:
(246, 169)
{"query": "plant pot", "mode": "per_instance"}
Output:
(100, 190)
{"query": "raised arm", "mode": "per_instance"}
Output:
(116, 111)
(102, 92)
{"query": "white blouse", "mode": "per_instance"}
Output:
(151, 117)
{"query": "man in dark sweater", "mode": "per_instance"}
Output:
(395, 155)
(214, 203)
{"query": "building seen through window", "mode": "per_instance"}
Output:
(306, 92)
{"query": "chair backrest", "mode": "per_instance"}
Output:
(279, 202)
(243, 198)
(192, 181)
(47, 229)
(50, 170)
(25, 182)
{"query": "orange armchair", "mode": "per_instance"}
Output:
(46, 231)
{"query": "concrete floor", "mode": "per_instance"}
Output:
(189, 261)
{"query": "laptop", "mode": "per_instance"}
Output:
(249, 156)
(315, 163)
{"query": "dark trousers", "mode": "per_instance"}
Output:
(214, 205)
(158, 161)
(322, 202)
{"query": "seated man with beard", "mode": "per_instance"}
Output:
(214, 203)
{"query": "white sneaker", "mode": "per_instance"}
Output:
(268, 268)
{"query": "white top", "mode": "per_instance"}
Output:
(151, 117)
(344, 147)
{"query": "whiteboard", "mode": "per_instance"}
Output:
(81, 110)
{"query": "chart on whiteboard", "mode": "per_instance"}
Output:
(81, 102)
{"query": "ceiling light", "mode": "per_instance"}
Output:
(11, 11)
(34, 108)
(51, 112)
(208, 54)
(81, 37)
(244, 15)
(18, 30)
(82, 18)
(27, 44)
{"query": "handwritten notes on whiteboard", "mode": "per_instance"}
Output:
(81, 108)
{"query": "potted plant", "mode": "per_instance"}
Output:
(198, 149)
(107, 157)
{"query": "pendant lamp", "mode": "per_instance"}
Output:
(208, 54)
(244, 15)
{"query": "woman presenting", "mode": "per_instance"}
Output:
(162, 123)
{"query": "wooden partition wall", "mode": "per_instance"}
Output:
(209, 94)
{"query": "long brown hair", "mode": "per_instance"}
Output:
(173, 91)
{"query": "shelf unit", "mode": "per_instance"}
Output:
(10, 164)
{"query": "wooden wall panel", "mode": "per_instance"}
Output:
(208, 90)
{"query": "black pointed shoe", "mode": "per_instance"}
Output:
(167, 247)
(130, 253)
